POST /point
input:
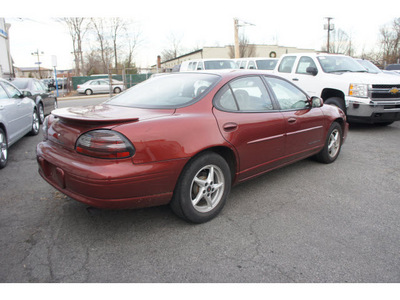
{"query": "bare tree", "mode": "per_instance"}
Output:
(99, 27)
(77, 28)
(341, 42)
(245, 48)
(175, 48)
(390, 42)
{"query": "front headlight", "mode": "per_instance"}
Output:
(358, 90)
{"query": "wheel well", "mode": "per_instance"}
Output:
(328, 93)
(227, 154)
(341, 123)
(4, 128)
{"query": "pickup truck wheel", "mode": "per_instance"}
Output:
(332, 145)
(336, 101)
(3, 149)
(202, 188)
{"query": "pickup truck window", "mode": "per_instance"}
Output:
(288, 96)
(304, 63)
(340, 64)
(286, 64)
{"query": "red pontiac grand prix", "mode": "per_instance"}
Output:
(185, 139)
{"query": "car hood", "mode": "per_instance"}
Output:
(369, 78)
(104, 113)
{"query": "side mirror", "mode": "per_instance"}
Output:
(312, 70)
(316, 102)
(26, 94)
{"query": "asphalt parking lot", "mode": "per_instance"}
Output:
(307, 222)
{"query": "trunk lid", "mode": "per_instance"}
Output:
(67, 124)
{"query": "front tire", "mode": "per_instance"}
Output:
(3, 149)
(332, 146)
(202, 189)
(41, 113)
(35, 124)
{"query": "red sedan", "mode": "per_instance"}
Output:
(185, 139)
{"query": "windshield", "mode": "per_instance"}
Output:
(371, 68)
(167, 91)
(219, 64)
(21, 84)
(331, 64)
(266, 64)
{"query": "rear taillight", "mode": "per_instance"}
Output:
(104, 144)
(78, 87)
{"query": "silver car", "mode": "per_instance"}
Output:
(98, 86)
(18, 117)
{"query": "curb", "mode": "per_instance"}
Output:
(82, 97)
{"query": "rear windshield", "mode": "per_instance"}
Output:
(266, 64)
(219, 64)
(21, 84)
(167, 91)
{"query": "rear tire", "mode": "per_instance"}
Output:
(332, 146)
(88, 92)
(117, 90)
(202, 188)
(3, 149)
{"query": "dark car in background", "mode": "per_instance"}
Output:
(393, 67)
(45, 100)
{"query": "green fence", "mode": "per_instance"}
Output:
(130, 79)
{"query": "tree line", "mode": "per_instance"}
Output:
(100, 44)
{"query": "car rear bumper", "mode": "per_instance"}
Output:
(108, 183)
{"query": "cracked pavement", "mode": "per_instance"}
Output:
(307, 222)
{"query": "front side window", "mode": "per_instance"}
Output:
(167, 91)
(244, 94)
(288, 96)
(3, 94)
(12, 91)
(286, 64)
(304, 63)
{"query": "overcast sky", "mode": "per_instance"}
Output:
(196, 23)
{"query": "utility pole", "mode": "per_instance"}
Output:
(236, 30)
(38, 60)
(328, 27)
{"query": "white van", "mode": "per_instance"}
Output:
(260, 63)
(207, 64)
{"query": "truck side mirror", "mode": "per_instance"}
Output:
(312, 70)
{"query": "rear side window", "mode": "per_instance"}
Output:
(286, 64)
(247, 94)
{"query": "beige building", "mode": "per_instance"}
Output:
(226, 52)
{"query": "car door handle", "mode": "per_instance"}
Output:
(229, 127)
(295, 79)
(292, 120)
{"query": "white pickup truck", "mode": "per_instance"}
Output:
(339, 80)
